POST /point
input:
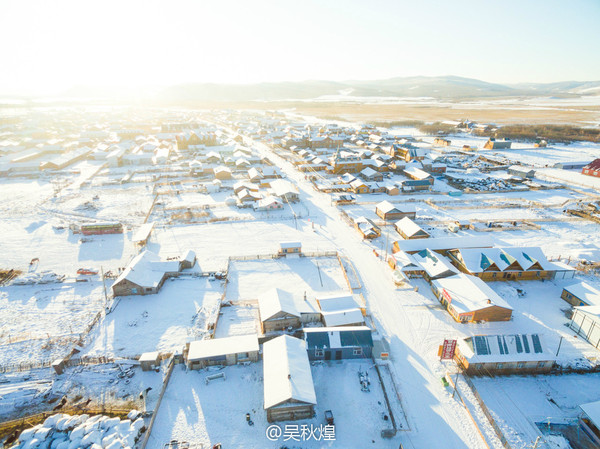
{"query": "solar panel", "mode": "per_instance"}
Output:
(526, 343)
(500, 345)
(481, 346)
(537, 346)
(519, 344)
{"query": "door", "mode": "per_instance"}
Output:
(327, 355)
(338, 354)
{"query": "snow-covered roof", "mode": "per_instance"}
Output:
(584, 292)
(343, 317)
(504, 348)
(445, 243)
(506, 259)
(287, 374)
(592, 410)
(146, 270)
(408, 227)
(336, 302)
(469, 293)
(149, 356)
(417, 173)
(143, 232)
(190, 256)
(282, 187)
(434, 264)
(275, 301)
(287, 245)
(202, 349)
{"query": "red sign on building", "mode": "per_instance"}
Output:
(446, 295)
(448, 349)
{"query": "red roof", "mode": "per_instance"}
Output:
(594, 165)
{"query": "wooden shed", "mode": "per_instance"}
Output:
(387, 211)
(222, 351)
(149, 360)
(277, 311)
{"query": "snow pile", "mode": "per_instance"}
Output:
(44, 277)
(63, 431)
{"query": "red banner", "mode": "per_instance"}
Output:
(448, 349)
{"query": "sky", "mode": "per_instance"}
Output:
(48, 46)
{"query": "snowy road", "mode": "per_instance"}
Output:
(414, 333)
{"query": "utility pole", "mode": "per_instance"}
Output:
(559, 345)
(104, 285)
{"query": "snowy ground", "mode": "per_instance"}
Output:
(179, 313)
(310, 275)
(238, 319)
(215, 413)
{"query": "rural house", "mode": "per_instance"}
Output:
(222, 351)
(387, 211)
(327, 343)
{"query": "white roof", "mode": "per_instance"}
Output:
(149, 356)
(417, 173)
(202, 349)
(145, 270)
(287, 374)
(275, 301)
(337, 302)
(190, 256)
(469, 293)
(585, 292)
(386, 206)
(282, 187)
(408, 227)
(434, 264)
(592, 410)
(477, 260)
(442, 243)
(343, 317)
(143, 232)
(285, 245)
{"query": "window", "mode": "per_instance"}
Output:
(541, 364)
(499, 365)
(479, 366)
(520, 273)
(520, 365)
(357, 351)
(319, 353)
(148, 289)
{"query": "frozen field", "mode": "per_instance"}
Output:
(179, 313)
(310, 275)
(41, 322)
(198, 413)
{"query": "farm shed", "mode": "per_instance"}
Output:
(277, 311)
(586, 323)
(142, 235)
(144, 275)
(327, 343)
(388, 211)
(592, 169)
(289, 248)
(408, 229)
(497, 144)
(581, 294)
(521, 171)
(149, 360)
(285, 190)
(367, 228)
(469, 299)
(406, 264)
(188, 260)
(503, 264)
(491, 355)
(289, 392)
(222, 351)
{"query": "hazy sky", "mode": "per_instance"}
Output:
(48, 46)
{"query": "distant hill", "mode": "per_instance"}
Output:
(439, 87)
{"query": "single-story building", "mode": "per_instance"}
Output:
(497, 144)
(340, 301)
(289, 248)
(350, 317)
(408, 229)
(469, 299)
(145, 275)
(367, 228)
(222, 172)
(149, 360)
(504, 264)
(188, 260)
(368, 174)
(222, 351)
(442, 245)
(521, 171)
(277, 311)
(433, 265)
(327, 343)
(592, 169)
(586, 323)
(289, 391)
(581, 294)
(490, 355)
(269, 203)
(406, 264)
(387, 211)
(285, 190)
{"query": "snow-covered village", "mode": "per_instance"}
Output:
(316, 225)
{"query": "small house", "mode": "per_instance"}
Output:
(433, 265)
(368, 174)
(222, 351)
(350, 317)
(592, 169)
(149, 361)
(387, 211)
(188, 260)
(269, 203)
(497, 144)
(341, 301)
(367, 228)
(581, 294)
(286, 248)
(408, 229)
(222, 172)
(589, 421)
(289, 391)
(521, 171)
(327, 343)
(277, 311)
